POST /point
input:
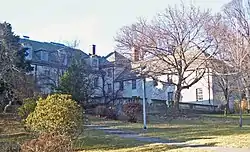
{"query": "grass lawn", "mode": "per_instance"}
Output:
(98, 141)
(209, 129)
(12, 131)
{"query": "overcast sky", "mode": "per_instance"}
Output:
(90, 21)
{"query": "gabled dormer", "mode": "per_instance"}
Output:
(28, 49)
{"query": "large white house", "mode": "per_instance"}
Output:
(126, 85)
(114, 79)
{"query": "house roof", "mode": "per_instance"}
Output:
(127, 74)
(49, 46)
(52, 48)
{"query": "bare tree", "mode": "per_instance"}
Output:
(73, 44)
(237, 14)
(109, 94)
(177, 42)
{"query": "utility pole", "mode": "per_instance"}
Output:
(113, 85)
(144, 103)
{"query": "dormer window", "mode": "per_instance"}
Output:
(94, 63)
(44, 56)
(63, 59)
(28, 52)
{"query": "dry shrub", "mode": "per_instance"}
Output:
(111, 113)
(103, 111)
(244, 106)
(48, 142)
(100, 111)
(132, 109)
(9, 147)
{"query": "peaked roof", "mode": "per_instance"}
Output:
(49, 46)
(127, 74)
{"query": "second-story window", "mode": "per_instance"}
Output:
(109, 87)
(121, 86)
(134, 84)
(109, 72)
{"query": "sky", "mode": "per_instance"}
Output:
(89, 21)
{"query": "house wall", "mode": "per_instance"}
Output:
(158, 92)
(107, 80)
(47, 77)
(205, 83)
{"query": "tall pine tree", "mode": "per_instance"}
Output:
(13, 67)
(77, 82)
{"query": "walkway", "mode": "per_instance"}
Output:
(136, 136)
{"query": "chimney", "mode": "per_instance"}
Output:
(135, 54)
(93, 49)
(26, 37)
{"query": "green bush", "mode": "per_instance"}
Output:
(57, 113)
(27, 107)
(48, 142)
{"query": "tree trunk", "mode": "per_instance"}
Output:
(226, 94)
(247, 97)
(177, 98)
(7, 106)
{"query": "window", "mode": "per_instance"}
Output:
(47, 72)
(109, 72)
(63, 59)
(109, 87)
(170, 96)
(44, 56)
(133, 84)
(155, 82)
(28, 53)
(94, 63)
(196, 73)
(121, 85)
(199, 94)
(169, 79)
(170, 99)
(96, 82)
